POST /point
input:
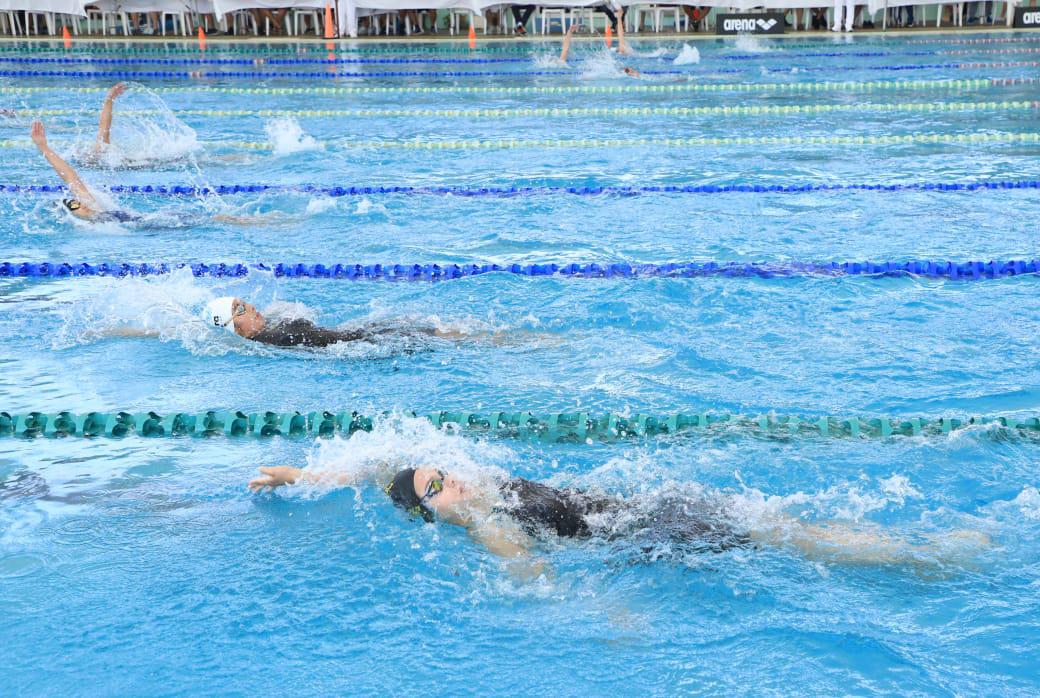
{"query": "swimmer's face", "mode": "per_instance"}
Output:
(451, 494)
(632, 72)
(248, 320)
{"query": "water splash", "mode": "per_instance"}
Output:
(687, 56)
(287, 137)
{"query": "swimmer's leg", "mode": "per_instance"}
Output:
(840, 543)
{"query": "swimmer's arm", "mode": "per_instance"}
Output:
(64, 169)
(279, 475)
(104, 135)
(622, 47)
(510, 542)
(567, 43)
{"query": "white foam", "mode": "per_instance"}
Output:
(546, 61)
(321, 204)
(750, 44)
(687, 56)
(599, 65)
(899, 488)
(1028, 502)
(397, 442)
(287, 137)
(366, 206)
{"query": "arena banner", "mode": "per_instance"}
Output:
(750, 23)
(1027, 18)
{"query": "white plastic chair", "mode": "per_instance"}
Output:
(118, 18)
(10, 23)
(178, 19)
(297, 20)
(472, 17)
(548, 14)
(33, 16)
(639, 14)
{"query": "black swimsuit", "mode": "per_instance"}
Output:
(304, 333)
(691, 523)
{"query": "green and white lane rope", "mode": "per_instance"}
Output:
(778, 110)
(562, 427)
(792, 87)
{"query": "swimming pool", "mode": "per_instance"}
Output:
(142, 565)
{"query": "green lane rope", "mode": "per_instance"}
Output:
(515, 143)
(572, 427)
(568, 112)
(797, 87)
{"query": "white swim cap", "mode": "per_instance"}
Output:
(219, 313)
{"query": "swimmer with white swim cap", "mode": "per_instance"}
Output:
(243, 319)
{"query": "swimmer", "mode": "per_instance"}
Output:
(85, 206)
(509, 517)
(243, 319)
(82, 203)
(622, 48)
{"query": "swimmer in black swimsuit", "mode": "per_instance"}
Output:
(243, 319)
(83, 204)
(509, 517)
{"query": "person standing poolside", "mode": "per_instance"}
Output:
(511, 516)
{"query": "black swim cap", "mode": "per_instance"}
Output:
(401, 491)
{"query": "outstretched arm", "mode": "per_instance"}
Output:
(64, 169)
(276, 476)
(622, 46)
(104, 134)
(567, 43)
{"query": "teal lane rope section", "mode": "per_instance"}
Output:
(559, 427)
(962, 271)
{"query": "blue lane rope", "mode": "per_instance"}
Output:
(228, 189)
(960, 271)
(201, 75)
(171, 75)
(257, 61)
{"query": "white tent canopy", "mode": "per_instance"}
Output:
(66, 7)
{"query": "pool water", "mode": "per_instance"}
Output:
(143, 566)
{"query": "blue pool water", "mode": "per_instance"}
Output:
(143, 566)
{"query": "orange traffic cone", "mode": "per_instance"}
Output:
(472, 37)
(66, 39)
(330, 29)
(202, 39)
(609, 36)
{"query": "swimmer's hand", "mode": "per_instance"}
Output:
(275, 477)
(116, 90)
(38, 134)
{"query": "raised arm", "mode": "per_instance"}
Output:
(567, 43)
(64, 169)
(622, 46)
(104, 134)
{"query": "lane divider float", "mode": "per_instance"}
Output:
(558, 427)
(936, 269)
